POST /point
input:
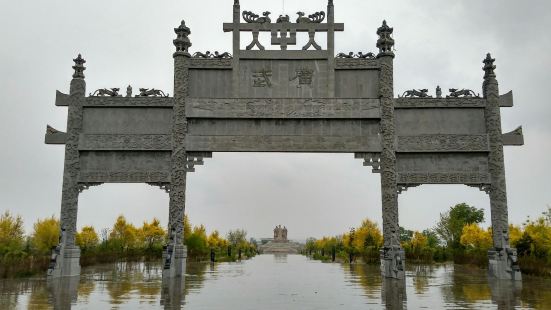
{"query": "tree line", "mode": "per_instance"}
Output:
(457, 237)
(23, 255)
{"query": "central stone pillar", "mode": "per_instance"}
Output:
(65, 259)
(503, 262)
(175, 253)
(392, 255)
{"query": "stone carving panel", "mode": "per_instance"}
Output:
(125, 142)
(443, 143)
(283, 108)
(124, 177)
(443, 178)
(439, 103)
(129, 102)
(356, 63)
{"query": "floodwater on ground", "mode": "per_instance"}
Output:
(276, 282)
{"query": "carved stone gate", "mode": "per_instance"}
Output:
(284, 100)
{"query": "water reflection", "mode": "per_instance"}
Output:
(275, 282)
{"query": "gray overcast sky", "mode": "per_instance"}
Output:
(130, 42)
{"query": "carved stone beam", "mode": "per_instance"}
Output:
(482, 187)
(161, 185)
(85, 186)
(54, 136)
(514, 137)
(370, 159)
(196, 158)
(302, 27)
(506, 101)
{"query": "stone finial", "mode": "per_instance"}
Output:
(79, 67)
(182, 41)
(385, 41)
(330, 3)
(489, 67)
(235, 2)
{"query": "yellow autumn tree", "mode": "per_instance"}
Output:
(11, 234)
(123, 234)
(515, 233)
(87, 238)
(45, 235)
(216, 241)
(152, 234)
(540, 233)
(475, 238)
(367, 235)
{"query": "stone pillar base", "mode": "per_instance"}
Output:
(66, 263)
(175, 263)
(503, 264)
(393, 263)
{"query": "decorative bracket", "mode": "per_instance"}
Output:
(255, 42)
(404, 187)
(370, 159)
(283, 41)
(161, 185)
(85, 186)
(311, 41)
(196, 158)
(487, 188)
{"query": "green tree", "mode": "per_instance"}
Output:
(11, 234)
(237, 237)
(87, 238)
(45, 235)
(450, 226)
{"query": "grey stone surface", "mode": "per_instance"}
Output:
(284, 101)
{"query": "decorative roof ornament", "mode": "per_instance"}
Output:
(182, 41)
(489, 67)
(385, 43)
(79, 67)
(283, 19)
(235, 2)
(251, 17)
(316, 18)
(462, 93)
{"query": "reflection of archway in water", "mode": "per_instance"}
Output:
(280, 258)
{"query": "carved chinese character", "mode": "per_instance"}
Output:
(262, 78)
(304, 76)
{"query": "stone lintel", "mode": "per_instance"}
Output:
(515, 137)
(285, 54)
(405, 103)
(442, 143)
(260, 143)
(302, 27)
(506, 100)
(288, 108)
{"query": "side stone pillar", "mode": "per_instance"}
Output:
(392, 255)
(65, 260)
(175, 253)
(503, 262)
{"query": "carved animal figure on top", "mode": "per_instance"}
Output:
(223, 55)
(465, 93)
(146, 92)
(421, 93)
(207, 54)
(343, 55)
(283, 19)
(316, 18)
(251, 17)
(367, 55)
(104, 92)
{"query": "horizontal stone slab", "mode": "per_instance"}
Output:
(124, 177)
(321, 144)
(286, 54)
(442, 143)
(210, 63)
(283, 108)
(129, 102)
(299, 27)
(407, 178)
(407, 103)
